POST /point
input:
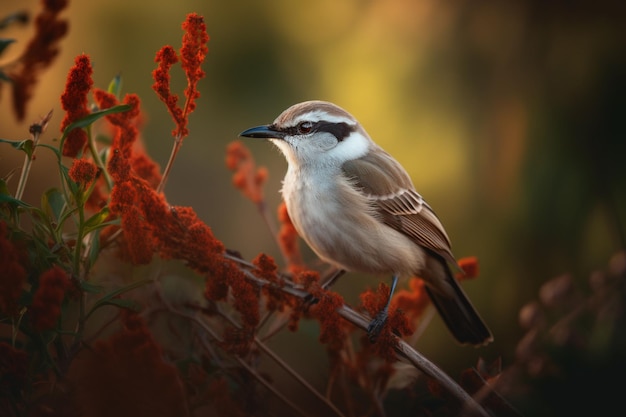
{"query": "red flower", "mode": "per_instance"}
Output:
(267, 270)
(83, 171)
(246, 177)
(126, 132)
(396, 322)
(469, 265)
(333, 330)
(144, 166)
(46, 306)
(39, 53)
(413, 301)
(12, 272)
(74, 102)
(166, 58)
(288, 240)
(192, 54)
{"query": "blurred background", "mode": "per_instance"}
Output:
(509, 116)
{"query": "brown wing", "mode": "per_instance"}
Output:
(389, 188)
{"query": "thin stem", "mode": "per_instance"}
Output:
(178, 141)
(270, 387)
(79, 237)
(296, 376)
(21, 186)
(35, 132)
(97, 159)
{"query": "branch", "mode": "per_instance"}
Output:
(401, 347)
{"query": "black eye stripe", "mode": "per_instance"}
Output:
(338, 130)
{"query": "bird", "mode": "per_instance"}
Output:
(358, 210)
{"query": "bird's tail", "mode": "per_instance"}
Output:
(458, 313)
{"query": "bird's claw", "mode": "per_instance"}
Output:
(376, 326)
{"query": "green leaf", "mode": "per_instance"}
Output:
(96, 221)
(115, 86)
(104, 139)
(113, 295)
(73, 187)
(6, 198)
(24, 145)
(115, 222)
(4, 188)
(56, 150)
(4, 42)
(125, 303)
(92, 117)
(17, 17)
(91, 288)
(94, 250)
(52, 203)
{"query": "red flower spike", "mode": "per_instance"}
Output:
(140, 247)
(308, 279)
(126, 132)
(192, 54)
(75, 104)
(46, 306)
(246, 300)
(122, 197)
(39, 53)
(12, 272)
(288, 240)
(144, 166)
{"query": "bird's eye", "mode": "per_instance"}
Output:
(305, 127)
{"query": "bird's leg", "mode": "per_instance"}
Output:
(332, 278)
(377, 323)
(327, 282)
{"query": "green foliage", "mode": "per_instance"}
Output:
(63, 232)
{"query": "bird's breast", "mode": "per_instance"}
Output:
(341, 227)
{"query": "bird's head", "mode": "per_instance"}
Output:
(315, 132)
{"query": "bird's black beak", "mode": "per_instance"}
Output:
(262, 132)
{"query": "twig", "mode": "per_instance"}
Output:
(194, 318)
(400, 346)
(296, 376)
(421, 363)
(273, 390)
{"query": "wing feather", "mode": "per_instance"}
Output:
(388, 187)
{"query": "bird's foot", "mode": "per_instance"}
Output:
(309, 300)
(376, 325)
